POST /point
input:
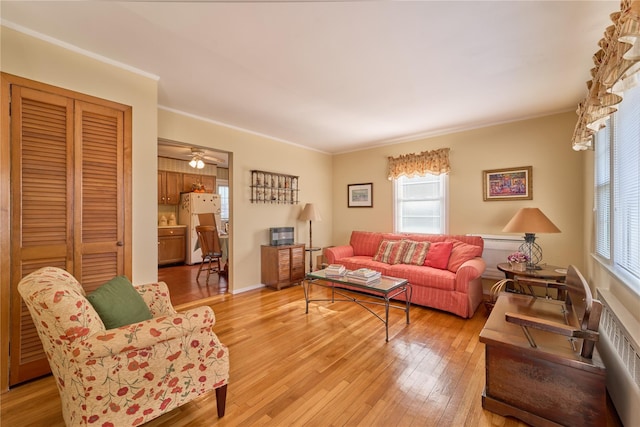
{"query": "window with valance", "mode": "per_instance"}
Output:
(420, 191)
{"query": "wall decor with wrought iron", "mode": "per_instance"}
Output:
(271, 187)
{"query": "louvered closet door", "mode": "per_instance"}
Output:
(70, 184)
(99, 172)
(42, 218)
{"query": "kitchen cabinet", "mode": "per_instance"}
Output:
(190, 182)
(171, 245)
(169, 185)
(282, 265)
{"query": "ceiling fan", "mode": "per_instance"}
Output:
(196, 156)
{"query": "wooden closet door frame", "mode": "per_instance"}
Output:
(5, 230)
(6, 282)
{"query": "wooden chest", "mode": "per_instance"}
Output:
(547, 385)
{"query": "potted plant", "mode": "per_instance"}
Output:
(518, 261)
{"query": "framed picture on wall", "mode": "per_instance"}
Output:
(508, 184)
(360, 195)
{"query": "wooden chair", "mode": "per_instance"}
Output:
(211, 251)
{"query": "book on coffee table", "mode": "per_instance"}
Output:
(363, 276)
(335, 270)
(363, 272)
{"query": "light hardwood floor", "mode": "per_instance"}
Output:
(331, 367)
(183, 287)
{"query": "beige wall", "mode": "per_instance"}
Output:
(38, 60)
(250, 221)
(542, 143)
(35, 59)
(561, 178)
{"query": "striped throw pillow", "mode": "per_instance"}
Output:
(415, 252)
(390, 251)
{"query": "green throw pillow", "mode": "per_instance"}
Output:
(118, 303)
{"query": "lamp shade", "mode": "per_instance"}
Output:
(310, 213)
(530, 220)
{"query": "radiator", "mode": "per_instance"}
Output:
(619, 348)
(496, 250)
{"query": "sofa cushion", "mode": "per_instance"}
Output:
(365, 242)
(461, 253)
(415, 252)
(438, 255)
(118, 303)
(420, 276)
(390, 252)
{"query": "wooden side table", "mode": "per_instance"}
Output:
(548, 272)
(552, 272)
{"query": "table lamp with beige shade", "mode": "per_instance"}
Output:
(531, 221)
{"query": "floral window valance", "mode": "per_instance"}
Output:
(617, 66)
(434, 162)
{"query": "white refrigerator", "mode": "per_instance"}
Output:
(192, 204)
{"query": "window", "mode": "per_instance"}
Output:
(602, 194)
(223, 191)
(420, 204)
(618, 222)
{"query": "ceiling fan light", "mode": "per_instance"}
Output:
(200, 164)
(193, 163)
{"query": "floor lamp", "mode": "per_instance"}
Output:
(310, 213)
(530, 221)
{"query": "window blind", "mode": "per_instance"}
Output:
(421, 204)
(626, 184)
(603, 192)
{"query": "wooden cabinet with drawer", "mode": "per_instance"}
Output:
(282, 265)
(171, 245)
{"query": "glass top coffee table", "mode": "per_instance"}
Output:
(379, 292)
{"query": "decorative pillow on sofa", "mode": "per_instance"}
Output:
(390, 252)
(118, 303)
(415, 252)
(461, 253)
(438, 255)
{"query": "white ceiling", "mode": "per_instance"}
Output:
(338, 76)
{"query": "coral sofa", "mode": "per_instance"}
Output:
(448, 279)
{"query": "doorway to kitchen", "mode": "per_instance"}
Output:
(185, 171)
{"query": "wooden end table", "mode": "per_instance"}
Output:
(548, 272)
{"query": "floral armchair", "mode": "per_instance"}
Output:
(128, 375)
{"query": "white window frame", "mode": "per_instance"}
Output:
(223, 183)
(618, 261)
(442, 197)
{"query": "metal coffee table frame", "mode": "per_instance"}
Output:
(385, 289)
